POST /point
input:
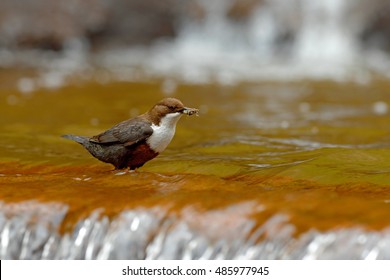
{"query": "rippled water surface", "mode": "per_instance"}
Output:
(268, 170)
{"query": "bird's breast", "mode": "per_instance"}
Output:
(163, 132)
(160, 138)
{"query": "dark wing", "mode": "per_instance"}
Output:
(127, 132)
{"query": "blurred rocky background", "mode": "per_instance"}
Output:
(46, 24)
(199, 41)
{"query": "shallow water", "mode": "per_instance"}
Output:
(268, 170)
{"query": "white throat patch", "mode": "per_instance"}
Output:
(164, 132)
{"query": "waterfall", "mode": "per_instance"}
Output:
(30, 230)
(229, 42)
(275, 40)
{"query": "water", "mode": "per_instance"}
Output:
(280, 40)
(289, 158)
(150, 234)
(268, 170)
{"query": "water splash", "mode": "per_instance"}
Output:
(29, 230)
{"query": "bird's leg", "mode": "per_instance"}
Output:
(121, 171)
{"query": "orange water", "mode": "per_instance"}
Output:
(315, 151)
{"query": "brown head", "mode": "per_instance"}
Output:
(168, 106)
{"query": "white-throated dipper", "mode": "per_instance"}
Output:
(131, 143)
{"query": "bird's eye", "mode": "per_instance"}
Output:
(172, 107)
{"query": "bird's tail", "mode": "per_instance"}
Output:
(79, 139)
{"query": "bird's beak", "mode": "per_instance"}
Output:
(190, 111)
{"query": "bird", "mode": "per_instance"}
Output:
(133, 142)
